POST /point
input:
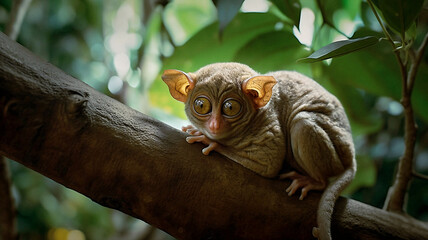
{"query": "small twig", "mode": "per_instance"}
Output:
(415, 65)
(396, 195)
(17, 14)
(395, 199)
(419, 175)
(403, 67)
(381, 24)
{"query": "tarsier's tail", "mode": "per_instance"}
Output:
(328, 199)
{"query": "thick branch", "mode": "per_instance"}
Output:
(125, 160)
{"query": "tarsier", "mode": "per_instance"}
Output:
(266, 121)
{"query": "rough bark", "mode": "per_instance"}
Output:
(122, 159)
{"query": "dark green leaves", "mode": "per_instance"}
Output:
(290, 8)
(226, 11)
(340, 48)
(400, 14)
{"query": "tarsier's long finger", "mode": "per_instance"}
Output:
(194, 132)
(292, 188)
(304, 193)
(289, 175)
(193, 139)
(185, 128)
(209, 148)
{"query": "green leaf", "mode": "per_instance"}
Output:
(290, 8)
(400, 14)
(272, 51)
(328, 8)
(226, 11)
(205, 47)
(373, 69)
(340, 48)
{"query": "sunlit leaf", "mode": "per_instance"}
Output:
(340, 48)
(400, 14)
(328, 8)
(272, 51)
(290, 8)
(186, 17)
(226, 11)
(373, 69)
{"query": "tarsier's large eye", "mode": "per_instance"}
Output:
(231, 107)
(202, 105)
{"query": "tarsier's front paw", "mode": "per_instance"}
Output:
(304, 182)
(191, 130)
(197, 136)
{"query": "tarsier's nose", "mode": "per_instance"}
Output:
(215, 124)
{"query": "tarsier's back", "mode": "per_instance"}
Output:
(264, 122)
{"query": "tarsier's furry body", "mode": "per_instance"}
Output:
(265, 121)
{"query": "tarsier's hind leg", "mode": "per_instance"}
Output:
(313, 150)
(316, 156)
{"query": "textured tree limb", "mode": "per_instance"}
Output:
(122, 159)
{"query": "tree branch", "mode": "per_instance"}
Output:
(395, 200)
(125, 160)
(416, 63)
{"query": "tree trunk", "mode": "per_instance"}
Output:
(122, 159)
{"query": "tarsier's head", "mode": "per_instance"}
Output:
(220, 98)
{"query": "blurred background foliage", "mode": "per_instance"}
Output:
(121, 47)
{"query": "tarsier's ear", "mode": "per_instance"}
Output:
(259, 89)
(179, 83)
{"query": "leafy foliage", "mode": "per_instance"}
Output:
(227, 10)
(400, 14)
(340, 48)
(290, 8)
